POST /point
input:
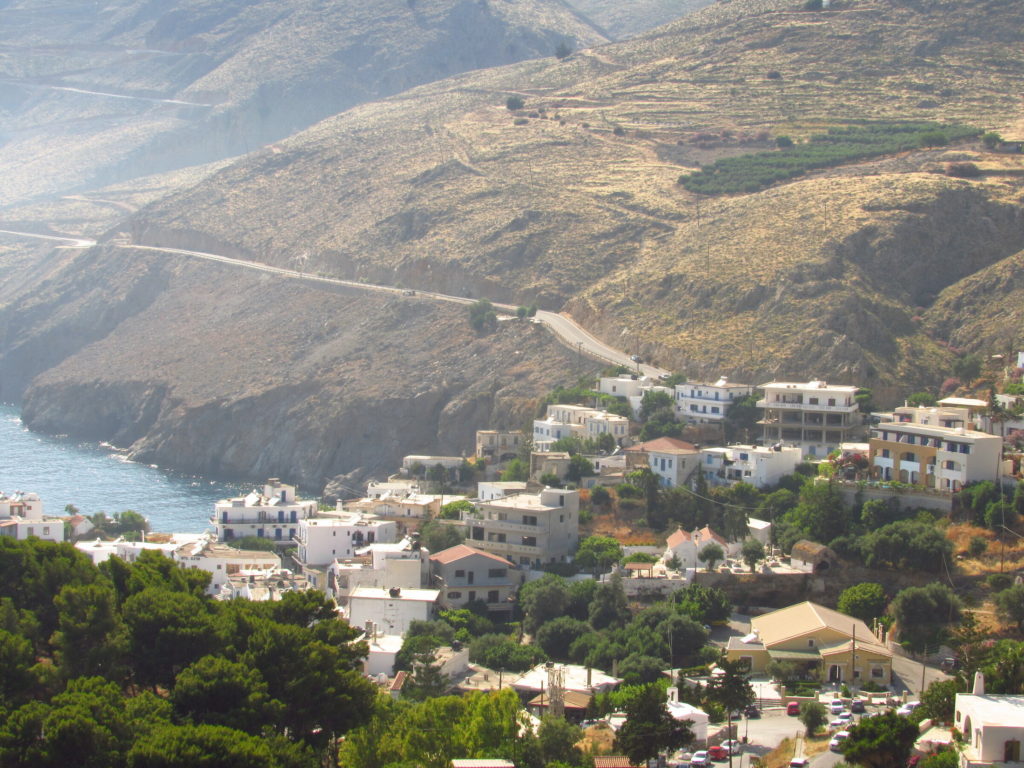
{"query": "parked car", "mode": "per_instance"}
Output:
(636, 358)
(732, 746)
(857, 707)
(836, 744)
(752, 711)
(793, 708)
(908, 709)
(838, 724)
(700, 760)
(950, 664)
(836, 706)
(718, 752)
(799, 762)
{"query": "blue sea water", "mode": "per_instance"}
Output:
(98, 479)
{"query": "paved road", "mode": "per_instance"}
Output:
(567, 330)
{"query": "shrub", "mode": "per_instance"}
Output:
(783, 142)
(619, 131)
(514, 102)
(991, 139)
(963, 170)
(773, 75)
(997, 582)
(520, 121)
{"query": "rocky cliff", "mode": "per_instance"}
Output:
(215, 370)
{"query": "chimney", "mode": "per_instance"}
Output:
(979, 684)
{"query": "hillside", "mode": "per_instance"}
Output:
(863, 273)
(622, 19)
(97, 95)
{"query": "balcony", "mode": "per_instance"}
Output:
(807, 407)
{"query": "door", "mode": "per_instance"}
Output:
(835, 674)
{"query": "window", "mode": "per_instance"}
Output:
(877, 672)
(529, 519)
(497, 573)
(460, 574)
(810, 643)
(529, 541)
(744, 456)
(812, 401)
(454, 595)
(472, 595)
(492, 596)
(46, 530)
(885, 453)
(831, 401)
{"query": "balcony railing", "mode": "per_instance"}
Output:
(807, 406)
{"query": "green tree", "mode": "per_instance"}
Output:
(991, 139)
(729, 687)
(579, 467)
(557, 635)
(543, 600)
(16, 661)
(703, 604)
(924, 613)
(813, 715)
(640, 669)
(938, 701)
(752, 553)
(482, 317)
(558, 740)
(967, 368)
(600, 496)
(426, 680)
(215, 691)
(865, 601)
(438, 537)
(650, 728)
(501, 652)
(883, 741)
(609, 607)
(90, 639)
(710, 555)
(200, 746)
(516, 471)
(167, 631)
(1010, 605)
(455, 510)
(926, 399)
(598, 553)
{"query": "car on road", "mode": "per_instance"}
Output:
(636, 358)
(752, 711)
(408, 292)
(836, 743)
(793, 708)
(908, 709)
(836, 706)
(718, 752)
(700, 760)
(857, 707)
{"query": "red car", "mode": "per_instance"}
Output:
(718, 753)
(793, 708)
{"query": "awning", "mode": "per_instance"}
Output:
(781, 655)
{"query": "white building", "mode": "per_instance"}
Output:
(918, 448)
(389, 565)
(574, 677)
(488, 491)
(273, 514)
(623, 386)
(704, 403)
(760, 466)
(464, 575)
(380, 660)
(391, 609)
(993, 729)
(322, 540)
(528, 528)
(261, 586)
(21, 517)
(673, 461)
(688, 545)
(427, 462)
(697, 718)
(814, 416)
(418, 505)
(563, 421)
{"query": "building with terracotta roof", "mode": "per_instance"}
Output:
(830, 645)
(687, 545)
(464, 574)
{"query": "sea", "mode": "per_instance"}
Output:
(98, 478)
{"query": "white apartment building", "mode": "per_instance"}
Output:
(672, 460)
(528, 528)
(225, 563)
(917, 448)
(761, 466)
(448, 462)
(566, 420)
(465, 574)
(273, 514)
(704, 403)
(814, 416)
(21, 517)
(391, 609)
(322, 540)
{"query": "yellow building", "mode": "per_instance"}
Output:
(831, 645)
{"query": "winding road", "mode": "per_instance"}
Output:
(567, 330)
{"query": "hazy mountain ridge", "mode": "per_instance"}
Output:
(238, 74)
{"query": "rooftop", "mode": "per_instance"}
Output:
(992, 709)
(815, 384)
(383, 593)
(663, 445)
(805, 618)
(460, 551)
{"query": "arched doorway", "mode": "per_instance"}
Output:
(835, 674)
